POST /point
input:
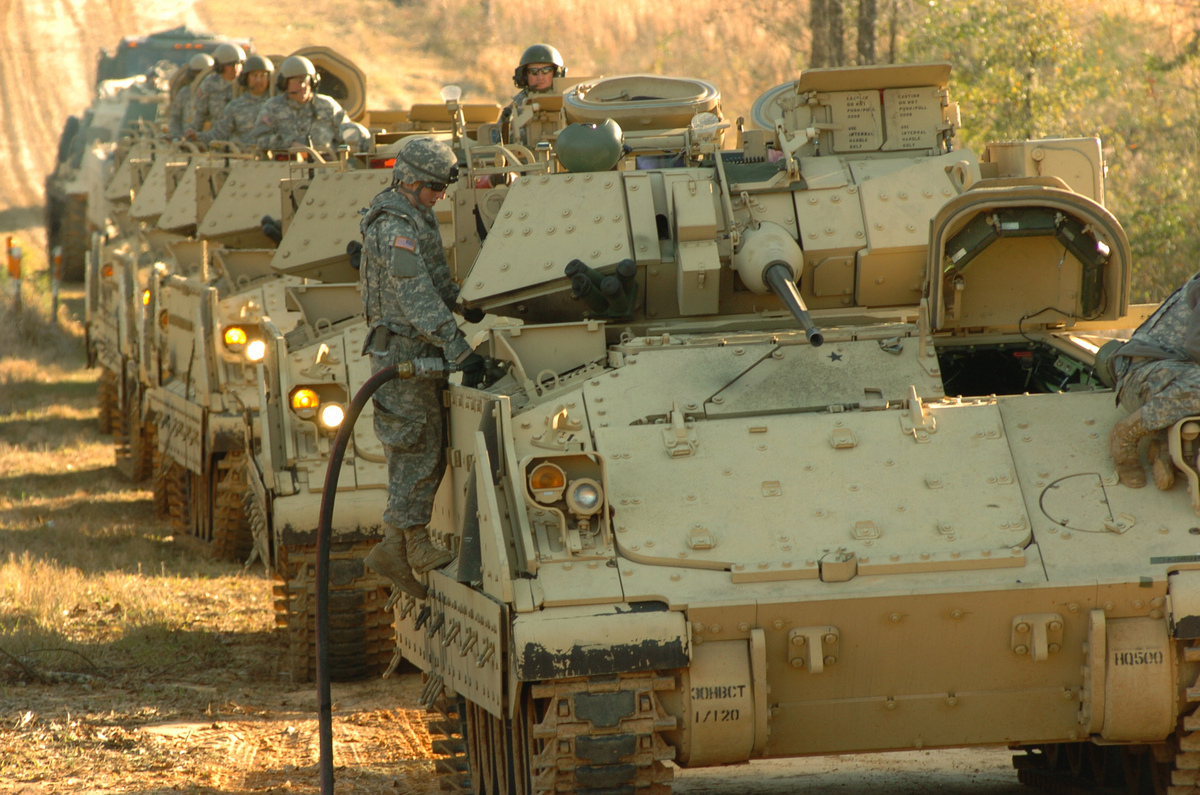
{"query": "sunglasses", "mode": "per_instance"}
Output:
(436, 187)
(540, 70)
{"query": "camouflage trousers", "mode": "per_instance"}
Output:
(1166, 391)
(410, 424)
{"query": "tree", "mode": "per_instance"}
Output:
(868, 20)
(827, 21)
(828, 36)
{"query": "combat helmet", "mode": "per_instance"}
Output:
(227, 54)
(200, 61)
(538, 53)
(425, 160)
(255, 63)
(296, 66)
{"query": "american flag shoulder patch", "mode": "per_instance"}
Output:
(405, 243)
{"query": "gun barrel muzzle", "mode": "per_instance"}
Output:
(778, 277)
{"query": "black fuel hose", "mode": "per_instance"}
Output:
(410, 369)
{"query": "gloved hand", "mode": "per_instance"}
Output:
(473, 369)
(354, 249)
(471, 315)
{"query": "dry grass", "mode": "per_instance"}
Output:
(129, 661)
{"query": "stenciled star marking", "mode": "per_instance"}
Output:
(835, 357)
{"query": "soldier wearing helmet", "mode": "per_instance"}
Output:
(299, 116)
(238, 118)
(539, 65)
(409, 297)
(182, 103)
(216, 90)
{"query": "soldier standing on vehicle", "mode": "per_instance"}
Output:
(216, 90)
(238, 118)
(1158, 380)
(299, 116)
(408, 297)
(182, 105)
(540, 64)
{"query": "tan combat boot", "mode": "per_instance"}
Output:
(389, 558)
(1123, 445)
(1162, 466)
(422, 553)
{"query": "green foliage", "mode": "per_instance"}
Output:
(1030, 69)
(1019, 66)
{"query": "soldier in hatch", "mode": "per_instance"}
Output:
(238, 118)
(409, 297)
(216, 90)
(299, 116)
(182, 103)
(1158, 381)
(540, 64)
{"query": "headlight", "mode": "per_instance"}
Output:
(256, 350)
(546, 482)
(584, 497)
(145, 298)
(235, 338)
(332, 415)
(305, 403)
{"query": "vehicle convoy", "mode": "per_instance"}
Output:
(127, 96)
(802, 450)
(200, 258)
(309, 370)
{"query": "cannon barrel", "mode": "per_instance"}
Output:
(778, 277)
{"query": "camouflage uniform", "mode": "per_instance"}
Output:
(179, 113)
(212, 95)
(1158, 368)
(237, 120)
(504, 129)
(284, 122)
(408, 296)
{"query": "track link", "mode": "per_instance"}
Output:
(448, 733)
(178, 487)
(599, 735)
(231, 534)
(134, 439)
(590, 736)
(1185, 778)
(106, 395)
(361, 636)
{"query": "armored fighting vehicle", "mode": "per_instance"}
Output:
(202, 358)
(802, 450)
(309, 371)
(128, 94)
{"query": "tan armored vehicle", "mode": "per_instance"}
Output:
(700, 525)
(308, 375)
(126, 101)
(307, 380)
(203, 391)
